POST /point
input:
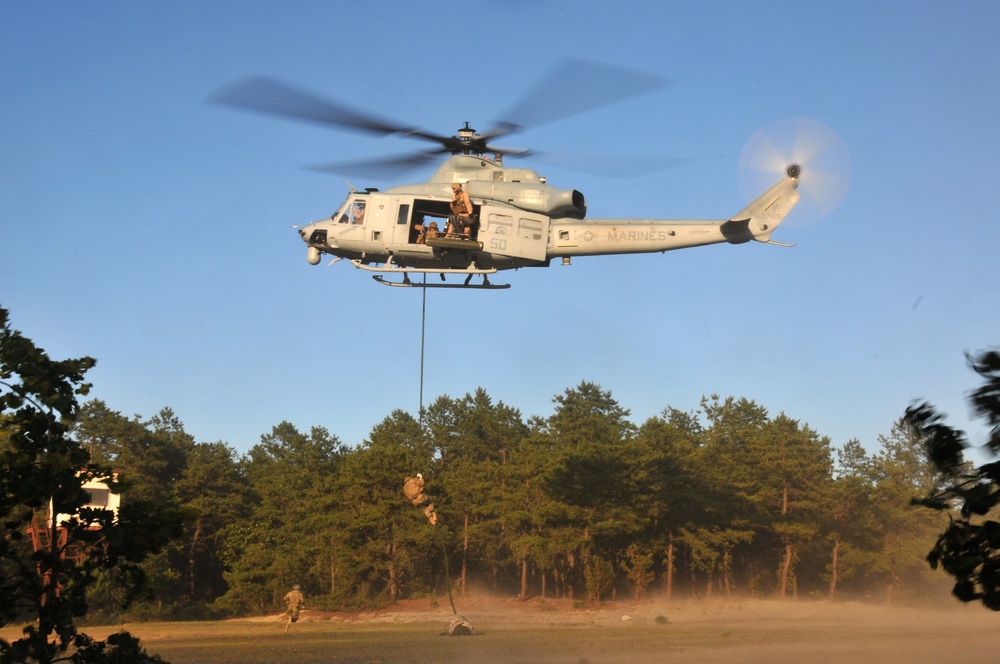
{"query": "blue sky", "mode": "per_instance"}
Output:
(150, 230)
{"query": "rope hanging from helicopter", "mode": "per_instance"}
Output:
(423, 326)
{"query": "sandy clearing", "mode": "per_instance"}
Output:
(554, 632)
(734, 631)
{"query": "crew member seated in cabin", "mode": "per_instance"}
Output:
(431, 231)
(460, 221)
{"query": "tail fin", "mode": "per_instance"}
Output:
(759, 219)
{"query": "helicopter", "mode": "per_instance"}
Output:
(517, 218)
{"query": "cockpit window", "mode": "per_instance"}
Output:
(357, 212)
(353, 212)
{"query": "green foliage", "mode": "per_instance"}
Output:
(120, 648)
(561, 505)
(474, 444)
(638, 566)
(725, 498)
(272, 530)
(42, 472)
(969, 548)
(390, 538)
(159, 463)
(599, 575)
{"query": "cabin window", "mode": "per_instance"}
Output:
(530, 229)
(404, 214)
(98, 497)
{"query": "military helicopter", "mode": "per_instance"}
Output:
(517, 219)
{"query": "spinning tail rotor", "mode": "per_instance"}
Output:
(802, 148)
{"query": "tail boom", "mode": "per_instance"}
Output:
(592, 237)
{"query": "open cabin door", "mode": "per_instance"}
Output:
(512, 232)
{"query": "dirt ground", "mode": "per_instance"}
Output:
(554, 632)
(733, 631)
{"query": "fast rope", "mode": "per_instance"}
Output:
(423, 326)
(442, 538)
(447, 574)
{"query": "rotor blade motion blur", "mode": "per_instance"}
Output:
(265, 95)
(575, 86)
(572, 87)
(380, 168)
(822, 158)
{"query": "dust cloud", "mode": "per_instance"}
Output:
(731, 631)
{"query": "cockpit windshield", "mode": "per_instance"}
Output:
(352, 211)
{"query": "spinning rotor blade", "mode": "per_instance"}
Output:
(575, 86)
(825, 167)
(266, 95)
(572, 87)
(272, 97)
(380, 169)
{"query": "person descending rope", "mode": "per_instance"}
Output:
(413, 487)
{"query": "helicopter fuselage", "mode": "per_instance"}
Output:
(522, 222)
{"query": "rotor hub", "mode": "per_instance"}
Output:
(794, 170)
(466, 132)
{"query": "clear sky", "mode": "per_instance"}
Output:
(150, 230)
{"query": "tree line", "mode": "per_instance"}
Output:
(583, 504)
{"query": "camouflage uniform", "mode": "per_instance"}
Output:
(413, 487)
(295, 601)
(459, 626)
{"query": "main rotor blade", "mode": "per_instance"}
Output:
(266, 95)
(382, 168)
(575, 86)
(273, 97)
(572, 87)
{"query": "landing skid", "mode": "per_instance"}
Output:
(406, 283)
(468, 273)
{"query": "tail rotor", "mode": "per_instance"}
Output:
(800, 148)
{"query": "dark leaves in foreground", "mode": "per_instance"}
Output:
(969, 549)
